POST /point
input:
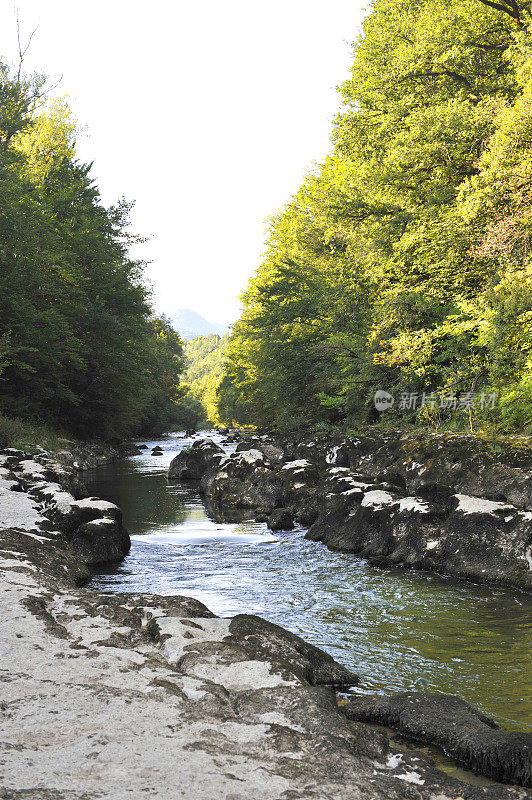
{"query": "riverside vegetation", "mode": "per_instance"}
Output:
(205, 359)
(403, 261)
(401, 264)
(80, 348)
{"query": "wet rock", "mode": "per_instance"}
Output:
(357, 524)
(488, 538)
(130, 449)
(457, 534)
(192, 462)
(244, 480)
(86, 531)
(306, 514)
(265, 640)
(393, 496)
(281, 520)
(301, 490)
(101, 541)
(463, 732)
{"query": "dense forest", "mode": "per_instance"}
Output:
(204, 372)
(402, 263)
(79, 344)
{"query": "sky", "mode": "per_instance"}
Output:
(207, 114)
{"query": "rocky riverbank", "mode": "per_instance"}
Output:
(147, 696)
(454, 504)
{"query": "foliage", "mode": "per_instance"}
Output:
(189, 415)
(25, 435)
(78, 341)
(205, 364)
(403, 262)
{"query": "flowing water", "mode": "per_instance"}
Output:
(398, 630)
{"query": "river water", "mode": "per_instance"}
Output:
(398, 630)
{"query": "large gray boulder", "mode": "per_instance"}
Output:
(191, 463)
(461, 535)
(244, 480)
(265, 640)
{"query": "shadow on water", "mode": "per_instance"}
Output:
(399, 630)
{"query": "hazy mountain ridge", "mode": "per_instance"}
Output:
(189, 324)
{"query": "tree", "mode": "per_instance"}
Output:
(77, 336)
(378, 273)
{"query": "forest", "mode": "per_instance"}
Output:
(205, 359)
(80, 347)
(402, 263)
(400, 267)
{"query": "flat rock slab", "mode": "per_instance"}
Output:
(142, 696)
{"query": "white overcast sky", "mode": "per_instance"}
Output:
(207, 114)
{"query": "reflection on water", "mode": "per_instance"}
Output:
(399, 630)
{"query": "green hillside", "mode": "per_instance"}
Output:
(80, 347)
(403, 262)
(205, 357)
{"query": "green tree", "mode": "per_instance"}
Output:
(77, 338)
(379, 273)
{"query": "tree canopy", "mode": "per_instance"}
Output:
(402, 263)
(205, 358)
(79, 343)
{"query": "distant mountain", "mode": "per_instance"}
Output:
(190, 324)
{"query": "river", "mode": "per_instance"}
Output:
(399, 630)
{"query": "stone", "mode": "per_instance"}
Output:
(417, 500)
(101, 541)
(192, 462)
(459, 729)
(141, 695)
(281, 520)
(265, 640)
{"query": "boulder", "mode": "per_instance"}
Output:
(192, 462)
(101, 541)
(463, 732)
(460, 535)
(68, 514)
(130, 449)
(244, 480)
(264, 640)
(272, 453)
(454, 504)
(281, 520)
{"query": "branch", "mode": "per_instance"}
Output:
(512, 9)
(434, 74)
(22, 52)
(47, 89)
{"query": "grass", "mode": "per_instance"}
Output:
(25, 435)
